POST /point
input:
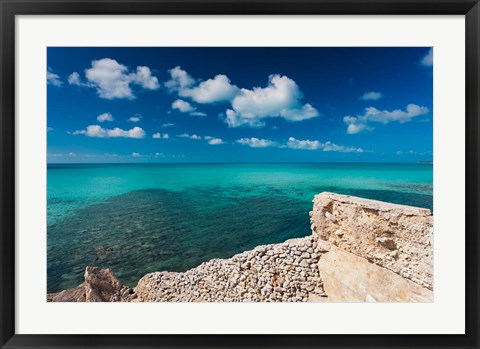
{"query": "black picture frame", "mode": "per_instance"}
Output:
(11, 8)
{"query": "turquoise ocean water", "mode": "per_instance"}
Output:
(140, 218)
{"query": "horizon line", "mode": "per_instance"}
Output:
(246, 162)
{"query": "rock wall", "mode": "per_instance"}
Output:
(286, 272)
(396, 237)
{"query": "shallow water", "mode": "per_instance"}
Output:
(139, 218)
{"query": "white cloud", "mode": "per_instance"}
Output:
(362, 122)
(144, 78)
(135, 118)
(428, 59)
(183, 106)
(198, 113)
(215, 141)
(180, 80)
(72, 154)
(105, 117)
(159, 135)
(213, 90)
(233, 119)
(74, 79)
(210, 140)
(306, 144)
(100, 132)
(327, 146)
(186, 135)
(299, 144)
(256, 142)
(218, 89)
(49, 129)
(168, 124)
(112, 80)
(136, 155)
(281, 98)
(53, 79)
(371, 96)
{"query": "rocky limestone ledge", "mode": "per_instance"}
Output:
(396, 237)
(360, 250)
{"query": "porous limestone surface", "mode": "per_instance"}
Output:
(396, 237)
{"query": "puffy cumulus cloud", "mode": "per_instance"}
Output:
(179, 80)
(100, 132)
(105, 117)
(427, 60)
(359, 123)
(183, 106)
(113, 80)
(144, 78)
(186, 135)
(136, 155)
(110, 78)
(256, 142)
(53, 79)
(159, 135)
(314, 145)
(371, 96)
(281, 98)
(218, 89)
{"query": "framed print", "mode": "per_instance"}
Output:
(238, 174)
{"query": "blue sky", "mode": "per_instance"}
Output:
(239, 105)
